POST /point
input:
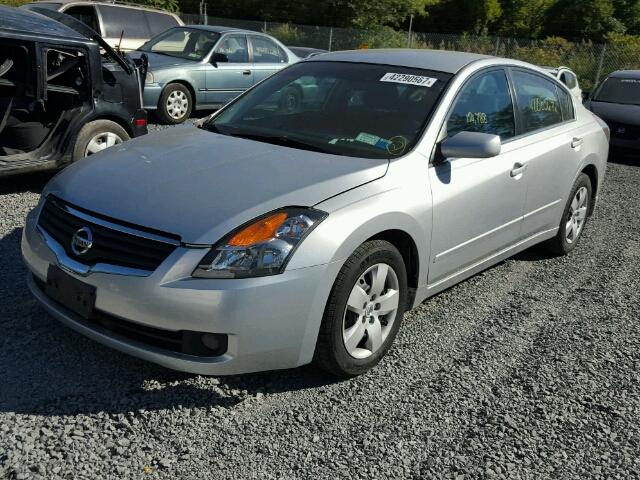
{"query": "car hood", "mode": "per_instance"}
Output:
(616, 112)
(158, 61)
(201, 185)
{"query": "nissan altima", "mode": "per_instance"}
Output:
(270, 236)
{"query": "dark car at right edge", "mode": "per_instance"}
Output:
(617, 102)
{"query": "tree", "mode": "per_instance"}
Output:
(523, 18)
(461, 16)
(582, 19)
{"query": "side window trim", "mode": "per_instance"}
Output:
(519, 121)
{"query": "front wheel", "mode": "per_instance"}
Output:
(574, 217)
(364, 310)
(97, 136)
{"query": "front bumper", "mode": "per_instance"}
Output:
(271, 322)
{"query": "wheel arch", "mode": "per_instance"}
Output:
(187, 85)
(407, 248)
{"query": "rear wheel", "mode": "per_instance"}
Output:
(574, 217)
(364, 310)
(97, 136)
(175, 104)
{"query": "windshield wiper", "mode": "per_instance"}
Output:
(282, 141)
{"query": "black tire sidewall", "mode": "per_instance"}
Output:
(162, 104)
(582, 181)
(90, 130)
(366, 256)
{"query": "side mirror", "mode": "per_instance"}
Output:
(218, 58)
(471, 145)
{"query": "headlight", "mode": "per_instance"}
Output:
(149, 78)
(262, 247)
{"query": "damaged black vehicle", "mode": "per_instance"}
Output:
(64, 93)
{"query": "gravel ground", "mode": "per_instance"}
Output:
(528, 370)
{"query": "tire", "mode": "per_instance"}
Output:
(175, 104)
(97, 136)
(290, 100)
(332, 353)
(573, 221)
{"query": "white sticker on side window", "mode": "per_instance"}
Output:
(409, 79)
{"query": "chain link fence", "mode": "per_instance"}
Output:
(591, 62)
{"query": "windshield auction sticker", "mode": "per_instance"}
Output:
(409, 79)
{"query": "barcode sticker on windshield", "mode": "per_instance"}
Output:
(408, 79)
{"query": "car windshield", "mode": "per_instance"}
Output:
(619, 90)
(187, 43)
(353, 109)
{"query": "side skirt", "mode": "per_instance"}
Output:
(426, 291)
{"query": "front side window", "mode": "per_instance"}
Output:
(234, 49)
(537, 101)
(350, 109)
(484, 105)
(266, 51)
(188, 43)
(619, 90)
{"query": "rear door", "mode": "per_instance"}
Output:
(551, 147)
(267, 57)
(477, 203)
(230, 77)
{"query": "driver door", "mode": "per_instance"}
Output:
(478, 203)
(227, 79)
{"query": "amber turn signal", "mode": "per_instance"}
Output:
(259, 231)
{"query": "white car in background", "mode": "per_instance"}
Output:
(569, 78)
(121, 25)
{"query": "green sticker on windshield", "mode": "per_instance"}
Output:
(367, 138)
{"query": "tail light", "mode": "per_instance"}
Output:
(140, 118)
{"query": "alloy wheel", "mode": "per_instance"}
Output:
(101, 141)
(371, 309)
(577, 215)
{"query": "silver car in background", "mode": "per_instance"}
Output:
(204, 67)
(269, 237)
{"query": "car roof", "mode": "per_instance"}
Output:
(220, 29)
(438, 60)
(27, 21)
(626, 74)
(113, 3)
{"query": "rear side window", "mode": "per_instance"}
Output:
(538, 102)
(159, 22)
(85, 14)
(130, 20)
(484, 105)
(566, 105)
(266, 51)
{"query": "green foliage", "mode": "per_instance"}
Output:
(14, 3)
(170, 5)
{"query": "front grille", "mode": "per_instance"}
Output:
(183, 341)
(624, 131)
(110, 246)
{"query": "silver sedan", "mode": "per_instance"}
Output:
(272, 235)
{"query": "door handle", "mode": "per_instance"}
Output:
(518, 168)
(246, 72)
(576, 142)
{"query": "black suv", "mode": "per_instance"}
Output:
(64, 93)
